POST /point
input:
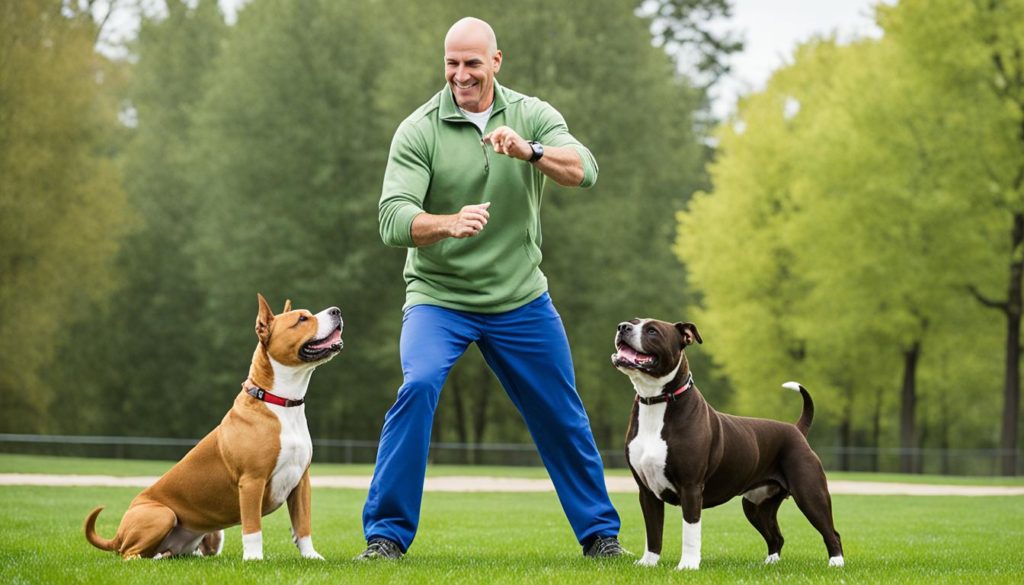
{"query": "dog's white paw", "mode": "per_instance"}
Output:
(312, 555)
(772, 559)
(305, 545)
(836, 562)
(688, 564)
(648, 560)
(252, 546)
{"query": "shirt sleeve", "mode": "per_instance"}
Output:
(406, 179)
(553, 131)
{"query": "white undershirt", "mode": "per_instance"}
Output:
(480, 119)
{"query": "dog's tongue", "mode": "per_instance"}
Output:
(331, 339)
(628, 353)
(632, 356)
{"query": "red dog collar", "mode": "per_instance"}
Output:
(668, 396)
(261, 394)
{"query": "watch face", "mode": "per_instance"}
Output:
(538, 150)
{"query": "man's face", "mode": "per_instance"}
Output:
(469, 68)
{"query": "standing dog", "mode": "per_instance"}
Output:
(683, 452)
(254, 461)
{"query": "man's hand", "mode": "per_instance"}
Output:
(469, 221)
(428, 228)
(506, 141)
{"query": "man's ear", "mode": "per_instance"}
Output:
(287, 306)
(689, 333)
(263, 319)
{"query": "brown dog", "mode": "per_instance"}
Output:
(683, 452)
(254, 461)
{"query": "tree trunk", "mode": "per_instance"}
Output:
(1011, 380)
(480, 418)
(876, 431)
(908, 400)
(461, 427)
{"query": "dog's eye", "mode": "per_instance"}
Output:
(652, 331)
(302, 318)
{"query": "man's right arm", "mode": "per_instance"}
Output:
(428, 228)
(403, 222)
(406, 179)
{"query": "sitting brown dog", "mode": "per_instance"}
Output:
(254, 461)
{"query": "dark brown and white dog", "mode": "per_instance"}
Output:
(681, 451)
(254, 461)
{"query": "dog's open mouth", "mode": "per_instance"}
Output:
(319, 349)
(627, 357)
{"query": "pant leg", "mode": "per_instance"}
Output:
(528, 350)
(432, 339)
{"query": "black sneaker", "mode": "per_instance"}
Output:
(380, 548)
(604, 546)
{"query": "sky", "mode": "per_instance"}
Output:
(771, 30)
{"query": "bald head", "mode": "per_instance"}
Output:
(471, 60)
(471, 32)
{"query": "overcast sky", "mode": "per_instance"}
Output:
(773, 28)
(770, 28)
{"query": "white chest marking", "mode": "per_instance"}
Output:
(648, 450)
(295, 455)
(296, 446)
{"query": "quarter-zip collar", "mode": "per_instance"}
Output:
(449, 110)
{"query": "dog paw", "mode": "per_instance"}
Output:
(688, 565)
(836, 562)
(648, 560)
(772, 559)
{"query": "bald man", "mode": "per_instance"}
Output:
(462, 192)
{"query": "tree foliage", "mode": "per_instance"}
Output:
(62, 207)
(855, 226)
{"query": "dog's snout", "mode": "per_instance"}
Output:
(625, 327)
(334, 312)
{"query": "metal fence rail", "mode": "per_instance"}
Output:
(933, 461)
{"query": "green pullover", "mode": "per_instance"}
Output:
(437, 165)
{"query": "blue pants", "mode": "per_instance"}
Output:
(528, 351)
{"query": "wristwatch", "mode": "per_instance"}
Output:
(538, 150)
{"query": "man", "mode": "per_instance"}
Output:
(462, 192)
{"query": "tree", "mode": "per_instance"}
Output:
(984, 78)
(829, 191)
(61, 207)
(681, 27)
(158, 287)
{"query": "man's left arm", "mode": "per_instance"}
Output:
(562, 164)
(565, 161)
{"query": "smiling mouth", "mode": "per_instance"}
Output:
(627, 357)
(319, 349)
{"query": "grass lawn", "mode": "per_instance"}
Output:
(524, 538)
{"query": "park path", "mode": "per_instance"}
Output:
(513, 484)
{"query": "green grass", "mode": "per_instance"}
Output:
(126, 467)
(524, 538)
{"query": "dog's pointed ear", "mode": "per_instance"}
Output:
(689, 333)
(263, 319)
(287, 306)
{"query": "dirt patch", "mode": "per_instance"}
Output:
(507, 484)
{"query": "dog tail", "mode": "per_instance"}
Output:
(90, 532)
(804, 424)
